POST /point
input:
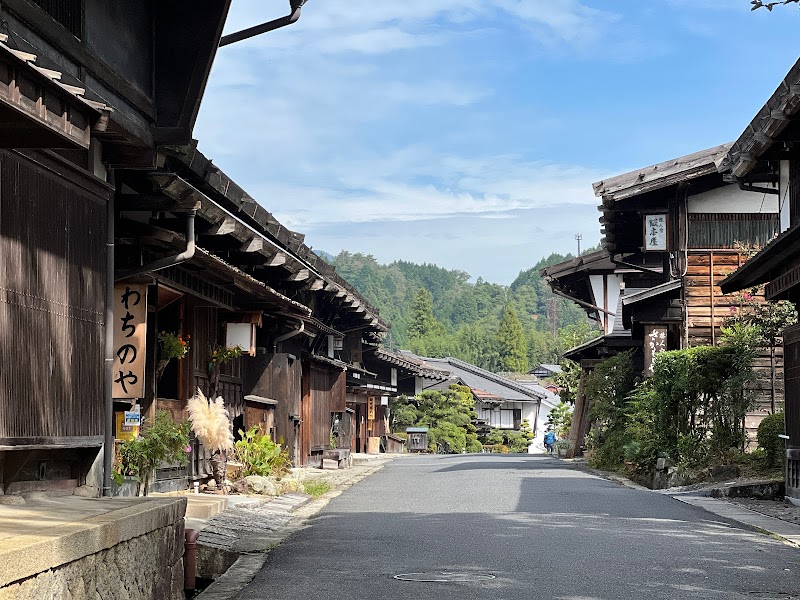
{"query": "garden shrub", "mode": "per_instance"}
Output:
(162, 441)
(259, 455)
(768, 431)
(691, 409)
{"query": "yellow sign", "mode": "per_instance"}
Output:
(125, 432)
(130, 335)
(371, 408)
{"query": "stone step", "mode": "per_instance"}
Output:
(288, 502)
(200, 506)
(365, 459)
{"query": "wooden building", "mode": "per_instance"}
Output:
(672, 231)
(111, 222)
(77, 111)
(247, 269)
(769, 146)
(500, 402)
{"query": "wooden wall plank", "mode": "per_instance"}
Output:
(52, 302)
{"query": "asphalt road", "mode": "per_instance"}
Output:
(542, 529)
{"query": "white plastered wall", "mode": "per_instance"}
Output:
(606, 290)
(730, 199)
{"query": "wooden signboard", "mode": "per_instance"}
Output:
(655, 342)
(130, 334)
(655, 232)
(371, 408)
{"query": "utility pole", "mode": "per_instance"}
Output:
(552, 315)
(578, 238)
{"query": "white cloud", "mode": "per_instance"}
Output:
(364, 114)
(374, 27)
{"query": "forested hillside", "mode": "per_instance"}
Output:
(437, 312)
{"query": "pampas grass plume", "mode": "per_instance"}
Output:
(210, 422)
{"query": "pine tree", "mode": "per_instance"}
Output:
(511, 344)
(422, 319)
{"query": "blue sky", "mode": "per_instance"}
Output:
(467, 133)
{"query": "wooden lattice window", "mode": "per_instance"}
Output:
(727, 230)
(68, 13)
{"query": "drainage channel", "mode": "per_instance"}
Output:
(445, 577)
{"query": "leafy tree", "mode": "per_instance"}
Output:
(770, 5)
(560, 420)
(511, 344)
(526, 432)
(768, 320)
(568, 380)
(449, 416)
(494, 437)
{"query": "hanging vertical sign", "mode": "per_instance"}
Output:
(371, 408)
(130, 333)
(655, 232)
(655, 343)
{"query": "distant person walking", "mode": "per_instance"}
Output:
(549, 441)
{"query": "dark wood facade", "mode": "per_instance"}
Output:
(672, 233)
(52, 281)
(121, 123)
(768, 145)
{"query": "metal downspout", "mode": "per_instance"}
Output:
(169, 261)
(296, 7)
(108, 442)
(286, 336)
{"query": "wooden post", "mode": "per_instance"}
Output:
(577, 417)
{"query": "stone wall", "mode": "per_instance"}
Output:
(142, 560)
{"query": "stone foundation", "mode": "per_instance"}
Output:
(135, 553)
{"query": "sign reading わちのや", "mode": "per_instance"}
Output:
(130, 334)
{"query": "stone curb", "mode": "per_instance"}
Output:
(234, 579)
(247, 566)
(782, 530)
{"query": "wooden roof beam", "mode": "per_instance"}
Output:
(300, 275)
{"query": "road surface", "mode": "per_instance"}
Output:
(518, 527)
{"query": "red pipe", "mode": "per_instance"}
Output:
(190, 558)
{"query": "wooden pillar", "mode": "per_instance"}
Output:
(579, 413)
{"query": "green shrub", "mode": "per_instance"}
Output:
(162, 441)
(768, 431)
(473, 444)
(517, 442)
(259, 455)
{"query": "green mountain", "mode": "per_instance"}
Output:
(463, 319)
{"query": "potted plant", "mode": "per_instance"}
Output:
(161, 441)
(219, 355)
(170, 345)
(562, 447)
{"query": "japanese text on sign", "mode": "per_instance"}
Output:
(656, 343)
(655, 232)
(130, 332)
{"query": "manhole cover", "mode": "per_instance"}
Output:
(444, 577)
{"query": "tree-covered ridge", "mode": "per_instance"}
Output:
(439, 312)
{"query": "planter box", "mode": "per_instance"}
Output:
(128, 489)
